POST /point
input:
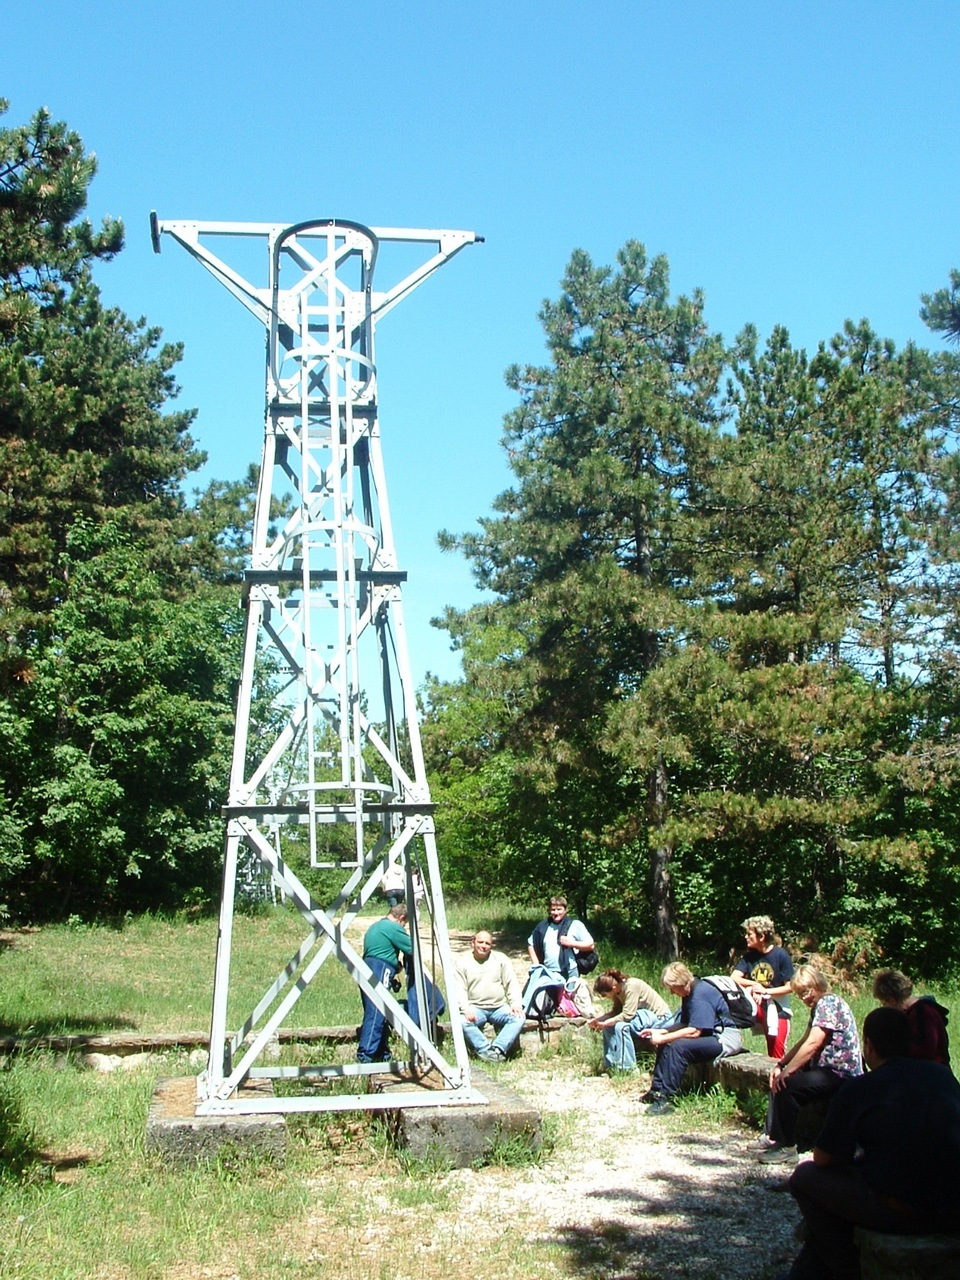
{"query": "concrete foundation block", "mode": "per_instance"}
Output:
(465, 1135)
(176, 1132)
(886, 1257)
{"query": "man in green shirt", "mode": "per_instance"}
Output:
(384, 946)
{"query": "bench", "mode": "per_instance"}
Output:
(886, 1257)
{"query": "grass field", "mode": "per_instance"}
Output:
(79, 1196)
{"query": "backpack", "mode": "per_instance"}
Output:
(543, 1003)
(740, 1007)
(586, 961)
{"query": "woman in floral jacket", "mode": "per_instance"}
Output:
(815, 1068)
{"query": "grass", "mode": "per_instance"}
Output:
(81, 1199)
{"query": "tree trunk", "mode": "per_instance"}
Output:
(665, 916)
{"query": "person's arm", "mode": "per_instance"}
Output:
(742, 977)
(608, 1019)
(463, 992)
(773, 992)
(533, 955)
(658, 1035)
(577, 937)
(798, 1057)
(401, 939)
(629, 1002)
(823, 1158)
(784, 972)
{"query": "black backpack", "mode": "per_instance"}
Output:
(740, 1007)
(543, 1003)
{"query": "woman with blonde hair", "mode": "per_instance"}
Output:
(703, 1031)
(635, 1007)
(815, 1068)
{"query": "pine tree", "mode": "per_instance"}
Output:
(590, 553)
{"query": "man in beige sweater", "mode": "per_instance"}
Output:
(488, 991)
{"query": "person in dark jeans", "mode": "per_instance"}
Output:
(815, 1068)
(385, 943)
(704, 1031)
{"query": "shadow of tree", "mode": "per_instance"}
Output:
(734, 1225)
(68, 1024)
(19, 1143)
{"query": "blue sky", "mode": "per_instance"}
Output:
(798, 161)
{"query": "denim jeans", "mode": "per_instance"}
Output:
(619, 1051)
(674, 1057)
(509, 1025)
(374, 1029)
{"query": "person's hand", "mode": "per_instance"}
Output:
(566, 940)
(653, 1037)
(471, 1015)
(778, 1080)
(516, 1010)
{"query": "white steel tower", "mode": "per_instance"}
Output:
(327, 746)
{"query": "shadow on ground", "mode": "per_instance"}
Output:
(68, 1024)
(727, 1227)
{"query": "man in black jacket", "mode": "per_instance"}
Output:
(887, 1158)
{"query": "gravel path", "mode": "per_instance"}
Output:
(644, 1194)
(633, 1196)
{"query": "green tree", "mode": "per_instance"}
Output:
(129, 727)
(44, 176)
(725, 626)
(941, 310)
(119, 643)
(590, 553)
(778, 709)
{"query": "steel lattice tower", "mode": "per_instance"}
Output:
(326, 746)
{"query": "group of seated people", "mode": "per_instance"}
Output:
(888, 1154)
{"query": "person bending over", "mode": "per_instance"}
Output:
(635, 1007)
(815, 1067)
(385, 944)
(704, 1031)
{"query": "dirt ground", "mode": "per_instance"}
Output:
(622, 1193)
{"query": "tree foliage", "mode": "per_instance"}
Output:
(726, 575)
(119, 646)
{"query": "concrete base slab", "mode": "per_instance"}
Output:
(176, 1132)
(463, 1135)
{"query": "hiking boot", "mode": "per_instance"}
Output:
(778, 1155)
(650, 1096)
(661, 1107)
